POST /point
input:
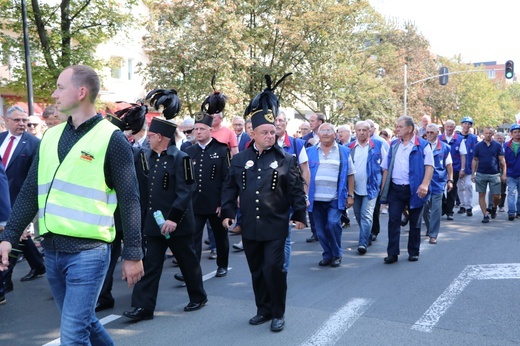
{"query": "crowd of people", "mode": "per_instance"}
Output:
(87, 186)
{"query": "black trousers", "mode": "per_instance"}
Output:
(145, 291)
(376, 227)
(30, 253)
(221, 237)
(265, 260)
(451, 198)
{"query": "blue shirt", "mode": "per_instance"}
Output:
(487, 156)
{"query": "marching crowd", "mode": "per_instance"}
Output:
(89, 185)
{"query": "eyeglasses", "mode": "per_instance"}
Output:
(326, 131)
(187, 132)
(32, 125)
(17, 120)
(430, 132)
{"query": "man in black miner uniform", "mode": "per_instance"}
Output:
(171, 187)
(211, 164)
(131, 119)
(268, 182)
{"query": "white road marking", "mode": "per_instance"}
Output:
(473, 272)
(111, 318)
(103, 321)
(339, 323)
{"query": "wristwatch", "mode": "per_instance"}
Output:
(450, 181)
(350, 196)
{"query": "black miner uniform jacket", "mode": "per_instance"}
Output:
(170, 187)
(268, 185)
(210, 168)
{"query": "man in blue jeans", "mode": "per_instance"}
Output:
(366, 155)
(331, 191)
(513, 173)
(442, 177)
(72, 185)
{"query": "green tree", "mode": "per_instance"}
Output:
(61, 34)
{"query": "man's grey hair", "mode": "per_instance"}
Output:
(327, 124)
(450, 122)
(408, 121)
(345, 127)
(237, 117)
(434, 126)
(13, 109)
(363, 123)
(188, 122)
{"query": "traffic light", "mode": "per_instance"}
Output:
(443, 75)
(509, 69)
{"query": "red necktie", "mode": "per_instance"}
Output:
(5, 158)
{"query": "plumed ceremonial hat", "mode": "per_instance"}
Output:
(130, 118)
(164, 127)
(263, 109)
(203, 118)
(215, 102)
(167, 99)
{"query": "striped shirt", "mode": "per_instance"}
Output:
(326, 180)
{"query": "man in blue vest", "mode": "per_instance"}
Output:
(458, 155)
(81, 166)
(442, 176)
(513, 173)
(464, 186)
(331, 191)
(408, 169)
(367, 155)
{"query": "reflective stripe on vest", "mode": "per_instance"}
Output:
(73, 198)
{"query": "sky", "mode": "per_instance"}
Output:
(477, 30)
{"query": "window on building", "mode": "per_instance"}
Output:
(130, 66)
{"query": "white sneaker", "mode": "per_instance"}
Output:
(213, 254)
(384, 211)
(238, 246)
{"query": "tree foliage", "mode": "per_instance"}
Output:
(61, 33)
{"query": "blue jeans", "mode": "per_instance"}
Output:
(513, 196)
(75, 280)
(363, 211)
(327, 219)
(432, 214)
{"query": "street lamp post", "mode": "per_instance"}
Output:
(28, 71)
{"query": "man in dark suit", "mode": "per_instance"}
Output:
(18, 148)
(242, 137)
(268, 182)
(315, 122)
(170, 189)
(211, 161)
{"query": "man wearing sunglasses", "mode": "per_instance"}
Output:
(34, 126)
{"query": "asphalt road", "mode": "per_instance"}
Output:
(462, 291)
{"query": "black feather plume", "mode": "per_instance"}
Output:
(215, 102)
(133, 117)
(168, 99)
(266, 100)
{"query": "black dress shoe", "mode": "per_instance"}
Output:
(100, 306)
(221, 272)
(312, 239)
(335, 263)
(277, 324)
(139, 314)
(325, 262)
(414, 258)
(195, 306)
(390, 259)
(33, 274)
(259, 319)
(8, 287)
(179, 277)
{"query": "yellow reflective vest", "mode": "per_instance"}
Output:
(73, 198)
